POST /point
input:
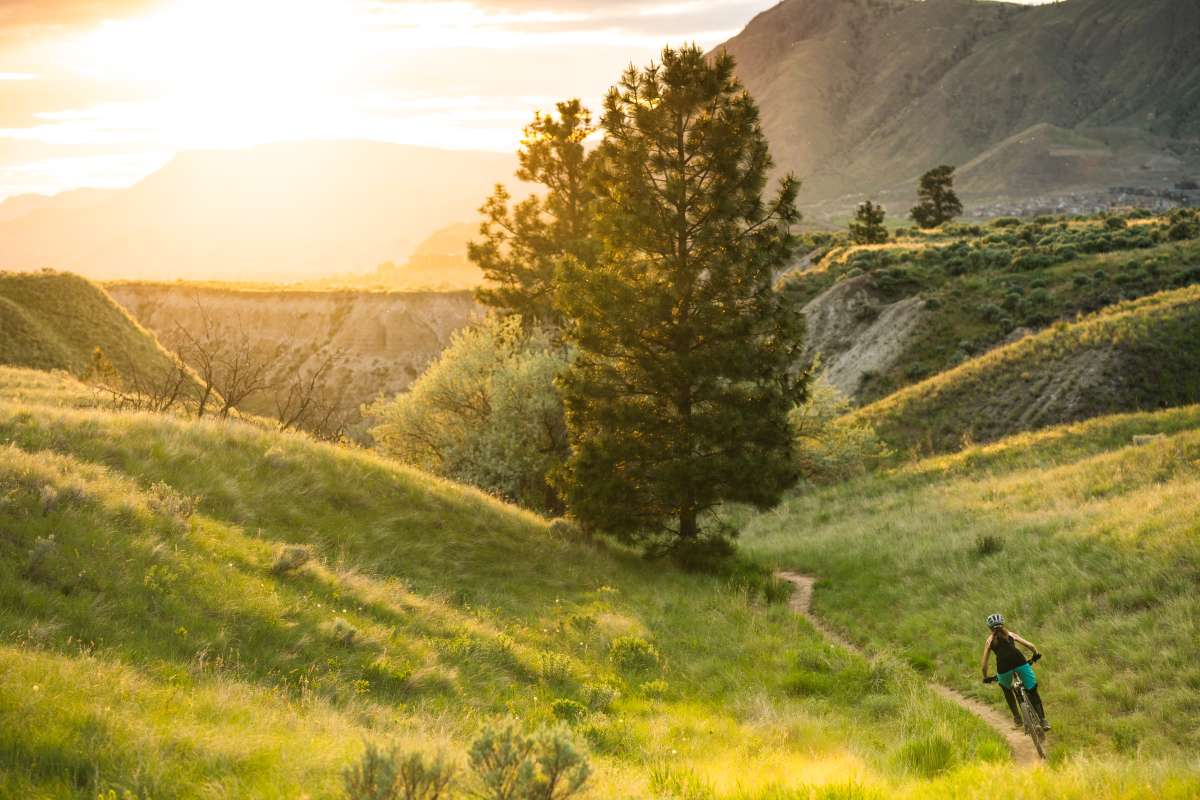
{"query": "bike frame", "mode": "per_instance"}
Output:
(1029, 717)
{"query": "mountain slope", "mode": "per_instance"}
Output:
(275, 212)
(861, 95)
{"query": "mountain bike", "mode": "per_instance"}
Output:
(1029, 717)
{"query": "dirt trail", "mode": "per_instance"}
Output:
(1018, 742)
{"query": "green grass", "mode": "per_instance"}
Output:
(1092, 552)
(149, 645)
(984, 284)
(1142, 354)
(54, 320)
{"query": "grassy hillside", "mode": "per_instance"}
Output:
(984, 285)
(53, 320)
(1143, 354)
(146, 642)
(1088, 544)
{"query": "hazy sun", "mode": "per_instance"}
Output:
(231, 71)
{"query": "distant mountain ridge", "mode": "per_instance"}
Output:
(281, 212)
(860, 96)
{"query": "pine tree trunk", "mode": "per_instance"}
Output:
(687, 521)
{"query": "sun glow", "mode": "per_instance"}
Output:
(227, 72)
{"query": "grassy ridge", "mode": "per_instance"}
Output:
(983, 285)
(1143, 354)
(147, 644)
(1087, 543)
(54, 320)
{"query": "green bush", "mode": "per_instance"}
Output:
(634, 654)
(568, 710)
(506, 764)
(399, 776)
(825, 450)
(511, 765)
(485, 413)
(599, 696)
(656, 689)
(988, 544)
(1183, 230)
(290, 558)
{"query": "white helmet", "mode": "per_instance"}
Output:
(995, 621)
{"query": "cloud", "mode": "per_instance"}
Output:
(56, 13)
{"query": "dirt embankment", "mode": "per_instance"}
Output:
(382, 340)
(855, 333)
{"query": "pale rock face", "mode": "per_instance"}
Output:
(855, 334)
(385, 339)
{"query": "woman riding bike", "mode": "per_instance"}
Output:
(1011, 661)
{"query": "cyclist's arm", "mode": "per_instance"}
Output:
(1028, 644)
(987, 651)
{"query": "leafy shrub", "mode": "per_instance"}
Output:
(160, 579)
(511, 765)
(343, 632)
(655, 689)
(554, 668)
(566, 529)
(290, 558)
(633, 654)
(599, 696)
(825, 450)
(991, 313)
(568, 710)
(1183, 230)
(1115, 223)
(485, 413)
(41, 555)
(167, 502)
(399, 776)
(988, 544)
(1006, 222)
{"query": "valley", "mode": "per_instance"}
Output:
(331, 468)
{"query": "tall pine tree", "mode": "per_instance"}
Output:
(678, 396)
(521, 246)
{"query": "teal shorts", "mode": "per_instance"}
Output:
(1028, 679)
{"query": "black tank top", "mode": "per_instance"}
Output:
(1007, 655)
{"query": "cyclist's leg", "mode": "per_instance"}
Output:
(1029, 679)
(1005, 681)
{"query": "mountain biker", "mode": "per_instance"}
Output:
(1011, 661)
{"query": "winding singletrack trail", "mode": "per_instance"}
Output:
(801, 603)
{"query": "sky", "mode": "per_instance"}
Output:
(102, 92)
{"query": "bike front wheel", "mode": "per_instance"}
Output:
(1033, 726)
